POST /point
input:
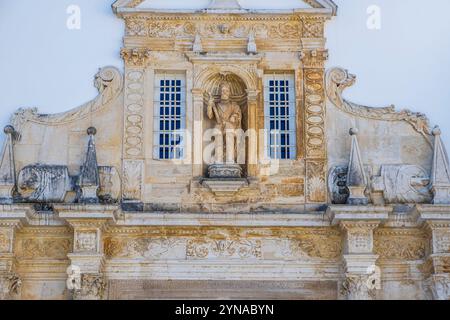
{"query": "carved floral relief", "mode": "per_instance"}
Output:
(51, 248)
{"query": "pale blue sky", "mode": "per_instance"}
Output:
(407, 62)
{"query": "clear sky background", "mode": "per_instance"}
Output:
(407, 62)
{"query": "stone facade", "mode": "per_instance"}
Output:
(96, 204)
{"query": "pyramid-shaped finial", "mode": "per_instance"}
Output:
(89, 177)
(224, 5)
(356, 177)
(7, 167)
(440, 175)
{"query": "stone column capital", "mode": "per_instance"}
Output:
(198, 92)
(252, 95)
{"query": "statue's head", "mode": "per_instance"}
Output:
(225, 91)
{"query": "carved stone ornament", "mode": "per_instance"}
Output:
(403, 184)
(359, 287)
(135, 57)
(218, 27)
(339, 79)
(38, 248)
(44, 183)
(397, 245)
(109, 83)
(86, 241)
(10, 285)
(337, 185)
(226, 248)
(93, 287)
(439, 287)
(110, 184)
(147, 248)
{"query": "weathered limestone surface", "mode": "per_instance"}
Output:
(89, 210)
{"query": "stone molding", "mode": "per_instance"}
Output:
(109, 83)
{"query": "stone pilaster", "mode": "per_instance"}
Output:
(252, 98)
(436, 220)
(313, 58)
(86, 279)
(134, 117)
(11, 220)
(361, 276)
(197, 137)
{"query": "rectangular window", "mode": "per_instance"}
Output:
(280, 115)
(169, 116)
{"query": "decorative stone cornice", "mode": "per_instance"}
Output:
(323, 6)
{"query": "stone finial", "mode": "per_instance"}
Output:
(90, 178)
(224, 5)
(7, 167)
(440, 174)
(197, 47)
(251, 46)
(356, 177)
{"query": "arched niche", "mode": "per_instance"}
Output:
(211, 87)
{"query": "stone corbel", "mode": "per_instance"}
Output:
(362, 277)
(86, 278)
(436, 221)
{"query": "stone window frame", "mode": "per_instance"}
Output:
(291, 118)
(170, 75)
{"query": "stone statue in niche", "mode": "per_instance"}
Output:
(227, 115)
(403, 184)
(44, 183)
